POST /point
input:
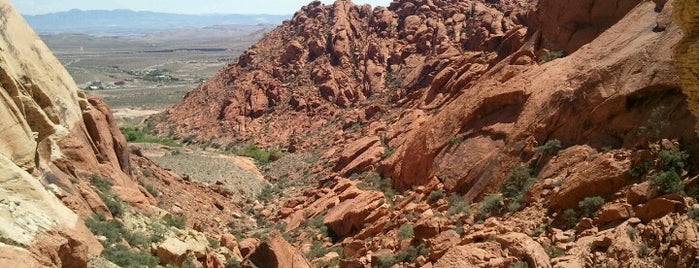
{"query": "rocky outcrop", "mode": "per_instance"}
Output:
(174, 250)
(308, 72)
(474, 140)
(687, 51)
(444, 97)
(277, 252)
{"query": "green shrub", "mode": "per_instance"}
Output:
(643, 251)
(521, 264)
(405, 231)
(102, 184)
(261, 156)
(104, 188)
(640, 170)
(570, 217)
(134, 134)
(175, 221)
(551, 55)
(550, 148)
(673, 159)
(113, 230)
(693, 213)
(317, 250)
(113, 203)
(124, 257)
(411, 254)
(385, 261)
(188, 263)
(453, 140)
(233, 262)
(374, 181)
(457, 205)
(539, 230)
(590, 205)
(666, 182)
(490, 204)
(553, 252)
(267, 193)
(387, 150)
(459, 228)
(631, 232)
(517, 183)
(435, 196)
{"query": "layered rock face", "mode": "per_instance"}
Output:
(460, 91)
(53, 139)
(687, 51)
(443, 97)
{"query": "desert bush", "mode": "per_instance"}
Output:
(551, 55)
(590, 205)
(517, 183)
(643, 251)
(261, 156)
(113, 203)
(385, 261)
(666, 182)
(673, 159)
(387, 150)
(553, 252)
(100, 183)
(124, 257)
(550, 148)
(539, 230)
(435, 196)
(175, 221)
(405, 231)
(490, 204)
(374, 181)
(267, 193)
(631, 232)
(570, 217)
(317, 250)
(134, 134)
(693, 213)
(453, 140)
(521, 264)
(457, 205)
(411, 254)
(151, 190)
(113, 230)
(233, 262)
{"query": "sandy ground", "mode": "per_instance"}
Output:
(128, 113)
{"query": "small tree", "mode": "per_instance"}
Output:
(405, 231)
(590, 205)
(490, 204)
(570, 217)
(518, 182)
(666, 182)
(435, 196)
(550, 148)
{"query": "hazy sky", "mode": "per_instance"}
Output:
(176, 6)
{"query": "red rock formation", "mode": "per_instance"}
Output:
(449, 96)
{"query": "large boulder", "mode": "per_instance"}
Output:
(276, 252)
(175, 249)
(602, 175)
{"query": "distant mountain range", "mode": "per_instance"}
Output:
(129, 22)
